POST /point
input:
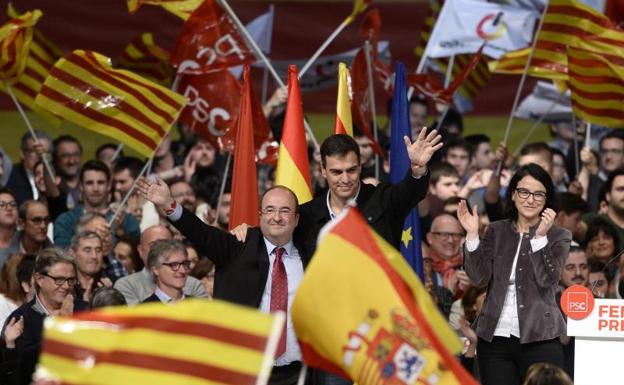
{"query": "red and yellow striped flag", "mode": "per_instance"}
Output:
(344, 123)
(147, 59)
(41, 57)
(359, 6)
(367, 317)
(83, 88)
(15, 39)
(293, 166)
(597, 86)
(566, 23)
(193, 342)
(180, 8)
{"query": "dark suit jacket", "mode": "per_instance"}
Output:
(19, 185)
(384, 206)
(537, 279)
(242, 268)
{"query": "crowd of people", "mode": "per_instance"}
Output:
(502, 236)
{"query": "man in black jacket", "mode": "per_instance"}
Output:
(263, 272)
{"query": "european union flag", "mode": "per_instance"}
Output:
(399, 166)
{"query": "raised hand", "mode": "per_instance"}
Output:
(548, 218)
(156, 192)
(422, 149)
(13, 330)
(469, 221)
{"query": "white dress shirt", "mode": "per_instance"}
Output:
(508, 325)
(294, 273)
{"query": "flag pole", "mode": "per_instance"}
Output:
(125, 198)
(264, 59)
(120, 147)
(46, 163)
(447, 81)
(534, 127)
(222, 188)
(371, 98)
(523, 78)
(323, 46)
(588, 127)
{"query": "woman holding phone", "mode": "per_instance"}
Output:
(519, 259)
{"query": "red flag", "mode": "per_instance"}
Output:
(371, 27)
(360, 106)
(244, 179)
(210, 41)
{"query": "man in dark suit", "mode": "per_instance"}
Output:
(384, 206)
(22, 178)
(263, 272)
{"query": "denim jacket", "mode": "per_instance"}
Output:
(537, 279)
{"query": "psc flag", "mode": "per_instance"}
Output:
(360, 312)
(566, 23)
(597, 86)
(147, 59)
(83, 88)
(464, 25)
(209, 41)
(245, 203)
(180, 8)
(293, 166)
(400, 166)
(192, 342)
(344, 124)
(15, 38)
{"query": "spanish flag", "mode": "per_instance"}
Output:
(83, 88)
(193, 342)
(360, 312)
(15, 39)
(597, 86)
(566, 23)
(344, 124)
(293, 166)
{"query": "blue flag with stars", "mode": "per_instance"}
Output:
(399, 166)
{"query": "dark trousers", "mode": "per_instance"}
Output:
(285, 375)
(505, 361)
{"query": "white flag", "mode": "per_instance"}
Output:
(545, 100)
(261, 30)
(464, 25)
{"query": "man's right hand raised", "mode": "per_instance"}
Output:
(155, 191)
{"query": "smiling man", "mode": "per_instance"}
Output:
(263, 272)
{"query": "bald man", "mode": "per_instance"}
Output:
(446, 238)
(140, 285)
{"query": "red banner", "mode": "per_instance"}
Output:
(209, 41)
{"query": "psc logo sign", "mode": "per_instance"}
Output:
(491, 27)
(577, 302)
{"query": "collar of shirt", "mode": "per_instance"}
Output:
(163, 297)
(271, 247)
(39, 307)
(354, 199)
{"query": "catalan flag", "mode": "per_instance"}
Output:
(597, 86)
(293, 166)
(344, 123)
(41, 57)
(83, 88)
(566, 23)
(366, 316)
(180, 8)
(359, 6)
(147, 59)
(193, 342)
(15, 39)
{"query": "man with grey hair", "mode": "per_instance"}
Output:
(138, 286)
(86, 248)
(22, 178)
(55, 277)
(168, 262)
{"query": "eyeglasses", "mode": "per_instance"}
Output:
(8, 205)
(538, 196)
(39, 220)
(60, 281)
(175, 266)
(270, 211)
(445, 235)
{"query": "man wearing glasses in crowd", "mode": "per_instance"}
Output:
(446, 239)
(9, 237)
(55, 278)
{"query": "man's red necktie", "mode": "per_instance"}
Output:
(279, 294)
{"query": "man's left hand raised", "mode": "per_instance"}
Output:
(421, 150)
